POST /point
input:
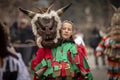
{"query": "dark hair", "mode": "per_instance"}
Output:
(3, 41)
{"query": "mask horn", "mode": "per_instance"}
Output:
(115, 9)
(40, 10)
(62, 10)
(27, 12)
(51, 6)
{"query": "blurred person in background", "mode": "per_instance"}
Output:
(110, 45)
(21, 34)
(11, 64)
(94, 40)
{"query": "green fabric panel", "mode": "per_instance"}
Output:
(49, 63)
(32, 72)
(90, 76)
(86, 66)
(73, 50)
(62, 56)
(75, 68)
(48, 71)
(65, 48)
(56, 67)
(38, 66)
(53, 75)
(43, 62)
(71, 68)
(58, 56)
(53, 51)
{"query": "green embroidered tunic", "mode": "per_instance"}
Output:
(59, 55)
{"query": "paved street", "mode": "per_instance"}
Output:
(98, 73)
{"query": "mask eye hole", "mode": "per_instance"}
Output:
(46, 20)
(39, 25)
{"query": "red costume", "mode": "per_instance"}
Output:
(46, 53)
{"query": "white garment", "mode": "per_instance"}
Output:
(11, 62)
(15, 65)
(79, 41)
(23, 73)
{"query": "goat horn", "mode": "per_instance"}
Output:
(62, 10)
(27, 12)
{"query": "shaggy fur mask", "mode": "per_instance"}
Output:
(46, 25)
(115, 24)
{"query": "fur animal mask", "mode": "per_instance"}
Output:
(115, 24)
(46, 25)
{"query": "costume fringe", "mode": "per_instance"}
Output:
(113, 70)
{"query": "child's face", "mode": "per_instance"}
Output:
(66, 30)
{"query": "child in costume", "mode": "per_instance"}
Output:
(69, 58)
(45, 25)
(110, 45)
(51, 61)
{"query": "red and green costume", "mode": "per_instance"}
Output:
(58, 59)
(113, 66)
